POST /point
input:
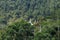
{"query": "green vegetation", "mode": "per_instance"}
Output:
(20, 30)
(29, 19)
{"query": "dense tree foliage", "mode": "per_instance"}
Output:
(20, 30)
(16, 14)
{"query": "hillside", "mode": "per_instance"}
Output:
(27, 9)
(45, 13)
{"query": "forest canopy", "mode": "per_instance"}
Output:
(39, 18)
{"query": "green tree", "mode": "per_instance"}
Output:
(19, 30)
